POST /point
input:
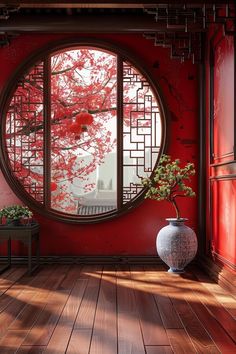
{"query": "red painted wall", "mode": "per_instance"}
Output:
(221, 166)
(135, 232)
(224, 219)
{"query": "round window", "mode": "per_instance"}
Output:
(81, 127)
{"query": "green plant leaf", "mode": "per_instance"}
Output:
(169, 181)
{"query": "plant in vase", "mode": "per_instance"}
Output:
(176, 243)
(14, 214)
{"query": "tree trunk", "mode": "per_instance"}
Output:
(176, 208)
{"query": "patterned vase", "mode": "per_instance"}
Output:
(176, 245)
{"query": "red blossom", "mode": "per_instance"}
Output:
(84, 118)
(53, 186)
(75, 128)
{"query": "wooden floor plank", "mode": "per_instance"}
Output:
(79, 341)
(216, 331)
(129, 335)
(151, 324)
(215, 308)
(227, 300)
(72, 275)
(11, 341)
(167, 311)
(10, 287)
(31, 350)
(125, 294)
(24, 282)
(42, 329)
(9, 296)
(172, 286)
(130, 339)
(198, 333)
(50, 309)
(158, 349)
(91, 271)
(61, 335)
(11, 276)
(84, 309)
(199, 336)
(36, 304)
(104, 337)
(8, 316)
(184, 289)
(85, 317)
(180, 342)
(30, 312)
(4, 275)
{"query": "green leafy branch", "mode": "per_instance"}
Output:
(15, 212)
(168, 182)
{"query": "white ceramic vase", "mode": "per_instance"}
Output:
(176, 245)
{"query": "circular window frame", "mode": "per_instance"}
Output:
(5, 99)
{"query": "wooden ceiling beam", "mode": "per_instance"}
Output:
(100, 3)
(90, 23)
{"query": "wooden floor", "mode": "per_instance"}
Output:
(109, 310)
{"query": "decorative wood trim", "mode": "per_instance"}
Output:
(222, 177)
(218, 164)
(47, 129)
(228, 154)
(119, 125)
(209, 244)
(93, 3)
(178, 26)
(225, 170)
(202, 161)
(88, 259)
(211, 106)
(89, 23)
(219, 273)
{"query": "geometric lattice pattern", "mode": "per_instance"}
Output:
(183, 45)
(24, 132)
(183, 24)
(141, 131)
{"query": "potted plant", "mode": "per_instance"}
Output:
(14, 214)
(176, 243)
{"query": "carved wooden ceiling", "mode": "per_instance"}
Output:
(180, 26)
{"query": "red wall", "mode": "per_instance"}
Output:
(221, 166)
(135, 232)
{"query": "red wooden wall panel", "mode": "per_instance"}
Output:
(223, 98)
(224, 219)
(221, 164)
(135, 232)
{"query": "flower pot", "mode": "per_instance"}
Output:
(13, 222)
(176, 245)
(26, 220)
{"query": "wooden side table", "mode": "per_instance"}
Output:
(26, 234)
